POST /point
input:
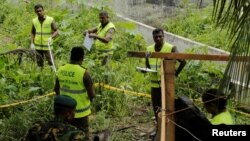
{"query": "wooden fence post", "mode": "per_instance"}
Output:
(168, 97)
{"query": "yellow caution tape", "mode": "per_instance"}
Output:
(26, 101)
(121, 90)
(242, 113)
(233, 110)
(104, 86)
(96, 84)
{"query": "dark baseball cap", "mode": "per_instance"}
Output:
(65, 101)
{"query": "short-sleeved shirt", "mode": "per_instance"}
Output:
(223, 118)
(54, 130)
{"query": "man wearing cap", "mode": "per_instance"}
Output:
(75, 81)
(57, 129)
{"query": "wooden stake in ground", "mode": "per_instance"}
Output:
(167, 128)
(167, 98)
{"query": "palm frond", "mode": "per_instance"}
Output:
(235, 15)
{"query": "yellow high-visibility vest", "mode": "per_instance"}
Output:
(104, 47)
(71, 83)
(223, 118)
(43, 32)
(155, 64)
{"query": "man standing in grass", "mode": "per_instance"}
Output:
(155, 64)
(75, 81)
(44, 30)
(103, 36)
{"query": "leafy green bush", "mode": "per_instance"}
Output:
(197, 24)
(25, 81)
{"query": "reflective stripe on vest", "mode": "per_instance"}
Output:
(83, 109)
(155, 63)
(72, 91)
(43, 32)
(104, 47)
(70, 78)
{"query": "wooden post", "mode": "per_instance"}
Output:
(166, 131)
(162, 128)
(168, 107)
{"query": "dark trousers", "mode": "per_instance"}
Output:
(156, 101)
(104, 59)
(40, 55)
(82, 124)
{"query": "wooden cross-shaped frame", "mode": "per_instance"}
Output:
(168, 85)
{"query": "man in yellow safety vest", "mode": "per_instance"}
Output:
(75, 81)
(103, 36)
(44, 30)
(155, 63)
(215, 104)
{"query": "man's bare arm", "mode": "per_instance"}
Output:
(89, 85)
(57, 87)
(105, 39)
(33, 33)
(93, 30)
(55, 30)
(182, 62)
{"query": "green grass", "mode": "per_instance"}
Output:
(111, 109)
(197, 24)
